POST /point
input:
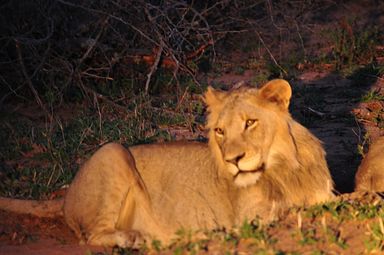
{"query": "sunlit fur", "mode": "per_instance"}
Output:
(370, 175)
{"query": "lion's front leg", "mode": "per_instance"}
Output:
(136, 213)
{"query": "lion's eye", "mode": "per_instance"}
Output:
(249, 123)
(219, 131)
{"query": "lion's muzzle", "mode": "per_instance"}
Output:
(245, 162)
(246, 170)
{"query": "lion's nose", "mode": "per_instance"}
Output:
(235, 159)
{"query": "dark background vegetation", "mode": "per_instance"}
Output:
(63, 51)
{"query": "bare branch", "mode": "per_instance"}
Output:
(28, 79)
(154, 67)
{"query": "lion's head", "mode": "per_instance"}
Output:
(245, 127)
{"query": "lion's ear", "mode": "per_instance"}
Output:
(213, 97)
(277, 91)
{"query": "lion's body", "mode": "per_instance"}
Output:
(258, 162)
(370, 175)
(193, 196)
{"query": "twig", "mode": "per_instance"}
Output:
(41, 40)
(158, 53)
(181, 99)
(109, 15)
(320, 114)
(12, 91)
(154, 66)
(97, 76)
(104, 98)
(270, 53)
(93, 43)
(301, 40)
(28, 79)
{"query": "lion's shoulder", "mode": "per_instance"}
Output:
(370, 174)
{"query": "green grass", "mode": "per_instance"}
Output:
(372, 96)
(39, 155)
(375, 242)
(353, 45)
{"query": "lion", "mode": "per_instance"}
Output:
(370, 174)
(258, 162)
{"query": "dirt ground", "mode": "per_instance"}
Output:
(326, 103)
(25, 234)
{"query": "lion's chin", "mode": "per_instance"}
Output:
(246, 178)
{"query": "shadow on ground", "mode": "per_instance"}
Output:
(324, 103)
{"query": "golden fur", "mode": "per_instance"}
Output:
(370, 175)
(259, 161)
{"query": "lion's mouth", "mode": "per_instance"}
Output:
(242, 172)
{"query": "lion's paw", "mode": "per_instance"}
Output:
(129, 239)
